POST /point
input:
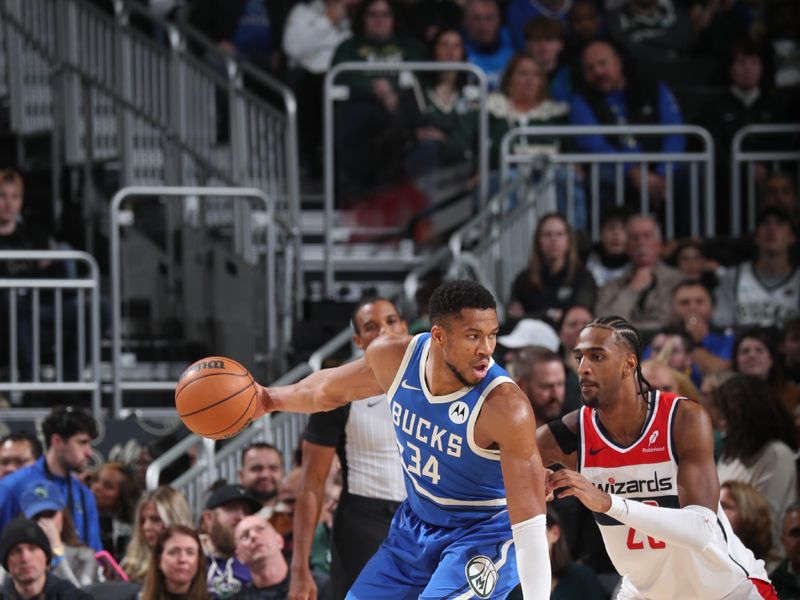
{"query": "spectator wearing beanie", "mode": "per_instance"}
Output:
(26, 555)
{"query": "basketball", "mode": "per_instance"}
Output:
(216, 397)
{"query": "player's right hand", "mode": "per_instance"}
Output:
(265, 403)
(301, 585)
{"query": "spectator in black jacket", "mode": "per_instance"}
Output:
(26, 554)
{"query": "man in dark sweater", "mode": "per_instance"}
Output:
(26, 555)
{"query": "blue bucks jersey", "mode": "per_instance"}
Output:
(450, 480)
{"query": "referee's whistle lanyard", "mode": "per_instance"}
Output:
(71, 502)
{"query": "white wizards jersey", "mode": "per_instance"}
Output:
(647, 471)
(762, 305)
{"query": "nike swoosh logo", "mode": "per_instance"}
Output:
(374, 402)
(404, 384)
(593, 451)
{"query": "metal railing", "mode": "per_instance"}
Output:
(68, 323)
(750, 159)
(616, 163)
(277, 315)
(333, 92)
(167, 115)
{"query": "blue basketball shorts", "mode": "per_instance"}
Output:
(420, 560)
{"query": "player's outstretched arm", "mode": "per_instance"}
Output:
(507, 421)
(330, 388)
(693, 525)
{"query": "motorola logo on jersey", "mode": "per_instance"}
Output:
(459, 411)
(636, 486)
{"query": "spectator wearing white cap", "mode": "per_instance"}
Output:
(529, 332)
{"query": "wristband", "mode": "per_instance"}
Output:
(56, 561)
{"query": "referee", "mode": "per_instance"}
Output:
(361, 433)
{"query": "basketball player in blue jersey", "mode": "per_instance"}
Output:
(642, 461)
(473, 525)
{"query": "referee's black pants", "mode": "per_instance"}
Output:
(359, 526)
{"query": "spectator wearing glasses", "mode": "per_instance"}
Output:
(18, 449)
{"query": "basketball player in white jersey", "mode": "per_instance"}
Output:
(642, 461)
(473, 522)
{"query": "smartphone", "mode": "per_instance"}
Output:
(111, 568)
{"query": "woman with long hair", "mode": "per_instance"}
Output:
(116, 491)
(176, 569)
(156, 510)
(749, 514)
(443, 119)
(555, 278)
(760, 443)
(755, 353)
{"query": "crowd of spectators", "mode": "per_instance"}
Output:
(721, 64)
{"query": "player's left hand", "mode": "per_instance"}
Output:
(571, 483)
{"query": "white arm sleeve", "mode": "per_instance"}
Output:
(691, 527)
(533, 557)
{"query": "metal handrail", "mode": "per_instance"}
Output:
(620, 158)
(90, 282)
(116, 282)
(61, 64)
(738, 156)
(401, 67)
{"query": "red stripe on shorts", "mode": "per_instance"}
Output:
(766, 590)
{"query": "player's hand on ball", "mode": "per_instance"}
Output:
(570, 483)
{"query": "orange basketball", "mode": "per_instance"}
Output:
(216, 397)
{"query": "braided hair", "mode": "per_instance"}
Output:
(626, 334)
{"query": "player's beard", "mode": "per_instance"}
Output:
(458, 375)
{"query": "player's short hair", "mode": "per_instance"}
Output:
(261, 446)
(628, 336)
(24, 436)
(451, 297)
(362, 303)
(67, 421)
